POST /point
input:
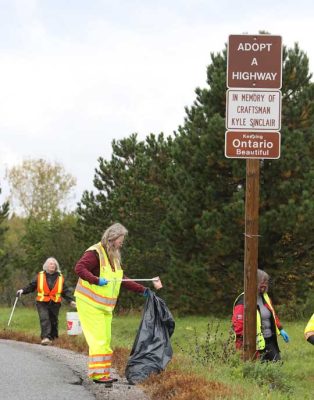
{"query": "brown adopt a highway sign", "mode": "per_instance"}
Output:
(261, 145)
(254, 61)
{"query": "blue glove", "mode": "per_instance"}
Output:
(102, 282)
(284, 335)
(145, 293)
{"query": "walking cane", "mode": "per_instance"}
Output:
(16, 300)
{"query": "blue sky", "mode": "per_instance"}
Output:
(74, 74)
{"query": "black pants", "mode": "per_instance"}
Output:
(271, 352)
(48, 317)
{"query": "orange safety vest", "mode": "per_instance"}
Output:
(44, 293)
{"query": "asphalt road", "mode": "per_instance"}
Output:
(35, 372)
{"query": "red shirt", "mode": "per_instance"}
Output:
(88, 269)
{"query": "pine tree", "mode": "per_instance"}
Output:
(204, 219)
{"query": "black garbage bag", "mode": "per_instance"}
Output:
(152, 349)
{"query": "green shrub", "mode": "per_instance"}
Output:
(290, 311)
(212, 346)
(269, 374)
(309, 305)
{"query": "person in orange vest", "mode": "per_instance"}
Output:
(268, 326)
(100, 277)
(50, 287)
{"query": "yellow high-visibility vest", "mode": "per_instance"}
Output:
(102, 297)
(309, 329)
(260, 341)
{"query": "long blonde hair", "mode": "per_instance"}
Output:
(110, 235)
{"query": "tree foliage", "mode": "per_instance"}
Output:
(39, 188)
(204, 223)
(53, 238)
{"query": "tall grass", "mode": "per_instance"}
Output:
(205, 365)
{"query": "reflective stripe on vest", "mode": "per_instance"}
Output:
(102, 297)
(84, 288)
(44, 293)
(268, 301)
(260, 341)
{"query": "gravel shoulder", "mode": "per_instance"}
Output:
(77, 363)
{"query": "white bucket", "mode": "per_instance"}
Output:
(73, 324)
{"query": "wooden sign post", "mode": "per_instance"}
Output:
(250, 257)
(253, 118)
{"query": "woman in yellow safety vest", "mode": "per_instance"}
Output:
(309, 330)
(50, 287)
(268, 325)
(100, 274)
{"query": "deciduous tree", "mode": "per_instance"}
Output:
(39, 188)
